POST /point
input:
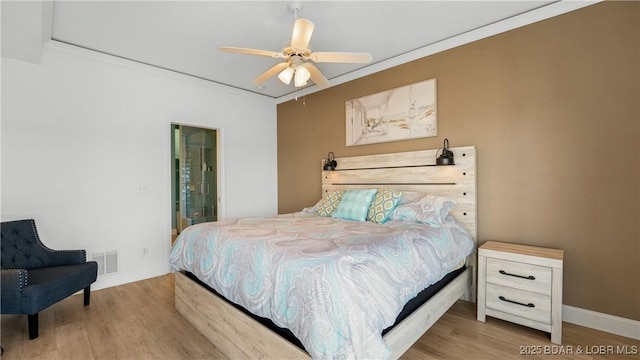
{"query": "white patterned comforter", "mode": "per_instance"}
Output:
(336, 284)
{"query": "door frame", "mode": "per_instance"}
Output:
(220, 188)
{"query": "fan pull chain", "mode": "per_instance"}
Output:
(304, 99)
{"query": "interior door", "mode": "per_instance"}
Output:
(196, 175)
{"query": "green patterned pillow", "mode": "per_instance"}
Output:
(355, 204)
(329, 203)
(383, 204)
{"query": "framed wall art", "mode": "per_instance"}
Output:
(402, 113)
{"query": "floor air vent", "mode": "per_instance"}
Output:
(107, 262)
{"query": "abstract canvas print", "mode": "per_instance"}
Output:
(398, 114)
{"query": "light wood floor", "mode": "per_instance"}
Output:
(139, 321)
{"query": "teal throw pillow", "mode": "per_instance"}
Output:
(355, 204)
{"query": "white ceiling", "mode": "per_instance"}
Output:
(183, 36)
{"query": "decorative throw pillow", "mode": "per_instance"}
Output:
(430, 210)
(383, 204)
(355, 204)
(411, 196)
(329, 203)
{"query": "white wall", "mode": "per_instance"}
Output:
(80, 132)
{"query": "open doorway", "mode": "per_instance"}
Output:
(194, 176)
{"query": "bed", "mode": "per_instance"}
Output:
(356, 319)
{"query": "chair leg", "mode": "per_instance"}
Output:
(33, 318)
(33, 325)
(87, 295)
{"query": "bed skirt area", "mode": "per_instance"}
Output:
(239, 335)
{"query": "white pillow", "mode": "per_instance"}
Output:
(429, 209)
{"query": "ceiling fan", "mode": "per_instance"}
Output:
(296, 57)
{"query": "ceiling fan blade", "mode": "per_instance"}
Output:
(269, 73)
(302, 31)
(341, 57)
(316, 75)
(233, 49)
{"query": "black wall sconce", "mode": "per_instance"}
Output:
(330, 163)
(446, 158)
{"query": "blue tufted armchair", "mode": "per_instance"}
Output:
(35, 277)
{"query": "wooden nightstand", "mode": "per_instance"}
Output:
(521, 284)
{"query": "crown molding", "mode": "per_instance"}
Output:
(55, 45)
(543, 13)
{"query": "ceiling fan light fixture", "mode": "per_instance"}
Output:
(302, 75)
(286, 75)
(295, 65)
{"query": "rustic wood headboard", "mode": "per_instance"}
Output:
(413, 171)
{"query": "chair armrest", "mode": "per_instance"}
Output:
(13, 281)
(65, 257)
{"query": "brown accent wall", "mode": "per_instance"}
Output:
(553, 110)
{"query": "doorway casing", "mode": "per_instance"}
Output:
(195, 175)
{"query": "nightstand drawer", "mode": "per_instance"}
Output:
(520, 303)
(518, 275)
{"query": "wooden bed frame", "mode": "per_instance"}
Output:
(237, 335)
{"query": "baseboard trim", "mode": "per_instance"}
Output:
(104, 282)
(599, 321)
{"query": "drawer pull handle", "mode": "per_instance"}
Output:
(530, 277)
(531, 305)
